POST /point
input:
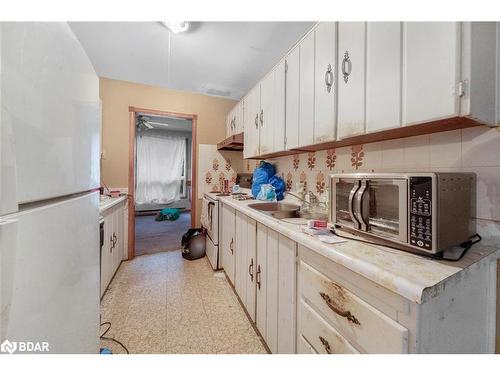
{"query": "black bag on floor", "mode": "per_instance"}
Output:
(193, 244)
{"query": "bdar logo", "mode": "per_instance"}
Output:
(8, 347)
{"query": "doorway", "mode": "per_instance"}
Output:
(162, 170)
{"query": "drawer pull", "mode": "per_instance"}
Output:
(231, 246)
(326, 344)
(336, 310)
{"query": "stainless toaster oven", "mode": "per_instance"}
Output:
(428, 212)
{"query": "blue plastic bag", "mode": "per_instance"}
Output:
(266, 193)
(279, 187)
(261, 176)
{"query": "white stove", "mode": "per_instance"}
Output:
(210, 220)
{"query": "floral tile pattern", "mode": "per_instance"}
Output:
(331, 158)
(311, 160)
(296, 162)
(320, 183)
(357, 156)
(216, 166)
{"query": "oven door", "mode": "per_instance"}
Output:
(381, 207)
(210, 219)
(343, 192)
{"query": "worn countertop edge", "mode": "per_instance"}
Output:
(110, 202)
(418, 293)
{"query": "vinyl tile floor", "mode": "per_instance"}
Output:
(161, 303)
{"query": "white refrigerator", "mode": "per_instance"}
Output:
(49, 215)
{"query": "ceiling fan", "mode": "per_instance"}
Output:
(148, 124)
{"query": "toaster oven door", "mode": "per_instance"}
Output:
(343, 195)
(382, 208)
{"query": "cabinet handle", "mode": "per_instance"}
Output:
(234, 122)
(325, 344)
(112, 244)
(250, 269)
(231, 246)
(346, 62)
(257, 121)
(257, 276)
(115, 239)
(261, 118)
(336, 310)
(329, 78)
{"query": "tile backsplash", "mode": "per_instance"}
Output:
(470, 150)
(216, 166)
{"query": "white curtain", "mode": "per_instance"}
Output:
(160, 163)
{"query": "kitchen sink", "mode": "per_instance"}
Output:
(276, 209)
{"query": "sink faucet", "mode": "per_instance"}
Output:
(312, 202)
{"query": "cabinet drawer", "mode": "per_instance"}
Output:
(362, 323)
(323, 338)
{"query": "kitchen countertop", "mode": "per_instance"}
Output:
(106, 202)
(411, 276)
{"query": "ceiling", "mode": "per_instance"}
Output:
(215, 58)
(174, 124)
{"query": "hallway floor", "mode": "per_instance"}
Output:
(162, 303)
(157, 236)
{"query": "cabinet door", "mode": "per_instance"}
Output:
(272, 286)
(261, 280)
(228, 228)
(287, 250)
(106, 258)
(252, 128)
(279, 107)
(266, 114)
(430, 71)
(292, 100)
(325, 82)
(240, 251)
(251, 265)
(383, 75)
(351, 78)
(229, 124)
(238, 126)
(118, 250)
(306, 92)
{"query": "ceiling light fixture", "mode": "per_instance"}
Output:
(177, 27)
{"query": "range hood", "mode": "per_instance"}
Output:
(232, 143)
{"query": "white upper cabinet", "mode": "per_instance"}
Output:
(348, 79)
(431, 58)
(279, 107)
(292, 99)
(252, 123)
(383, 75)
(325, 83)
(234, 120)
(351, 78)
(266, 114)
(306, 91)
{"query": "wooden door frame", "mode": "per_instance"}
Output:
(131, 167)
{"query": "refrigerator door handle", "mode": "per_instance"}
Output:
(8, 251)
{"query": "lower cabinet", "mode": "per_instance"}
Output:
(227, 241)
(114, 247)
(276, 291)
(245, 261)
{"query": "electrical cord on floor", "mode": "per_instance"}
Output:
(465, 245)
(103, 337)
